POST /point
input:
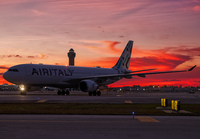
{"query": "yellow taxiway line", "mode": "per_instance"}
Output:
(146, 119)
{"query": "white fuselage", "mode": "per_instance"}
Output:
(54, 75)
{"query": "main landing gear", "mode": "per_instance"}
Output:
(94, 93)
(63, 92)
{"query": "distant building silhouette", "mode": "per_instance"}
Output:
(71, 55)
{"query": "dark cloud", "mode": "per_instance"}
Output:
(3, 67)
(193, 51)
(102, 30)
(31, 56)
(10, 56)
(186, 50)
(41, 56)
(171, 80)
(1, 73)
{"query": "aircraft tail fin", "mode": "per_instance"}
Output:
(124, 60)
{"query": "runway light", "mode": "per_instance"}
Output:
(133, 113)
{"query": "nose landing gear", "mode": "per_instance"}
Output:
(22, 92)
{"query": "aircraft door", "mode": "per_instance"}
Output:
(28, 71)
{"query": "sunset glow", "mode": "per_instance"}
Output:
(166, 36)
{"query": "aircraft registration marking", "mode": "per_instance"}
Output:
(146, 119)
(128, 101)
(41, 101)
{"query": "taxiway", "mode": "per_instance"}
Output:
(98, 126)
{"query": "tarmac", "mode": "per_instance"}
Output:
(106, 97)
(98, 126)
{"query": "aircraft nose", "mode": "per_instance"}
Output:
(6, 76)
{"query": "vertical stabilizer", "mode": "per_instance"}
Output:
(124, 60)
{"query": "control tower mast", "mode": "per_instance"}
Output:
(71, 55)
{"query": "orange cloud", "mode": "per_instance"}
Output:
(162, 63)
(112, 46)
(184, 79)
(142, 59)
(2, 70)
(42, 56)
(2, 81)
(38, 13)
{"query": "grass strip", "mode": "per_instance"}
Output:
(91, 109)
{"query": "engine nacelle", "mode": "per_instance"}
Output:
(88, 86)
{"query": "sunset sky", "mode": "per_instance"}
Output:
(166, 35)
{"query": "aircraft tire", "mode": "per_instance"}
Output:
(94, 93)
(59, 92)
(90, 93)
(98, 93)
(63, 92)
(67, 92)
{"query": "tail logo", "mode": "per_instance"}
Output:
(123, 62)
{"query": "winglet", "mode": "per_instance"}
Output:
(192, 68)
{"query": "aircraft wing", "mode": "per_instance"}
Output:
(104, 77)
(140, 70)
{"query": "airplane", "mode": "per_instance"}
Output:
(32, 77)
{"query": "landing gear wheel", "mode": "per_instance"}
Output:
(59, 92)
(67, 92)
(63, 92)
(98, 93)
(94, 93)
(90, 93)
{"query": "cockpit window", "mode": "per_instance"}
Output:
(13, 70)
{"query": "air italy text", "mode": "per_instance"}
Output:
(51, 72)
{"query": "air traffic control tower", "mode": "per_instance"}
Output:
(71, 55)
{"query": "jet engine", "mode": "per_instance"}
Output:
(88, 86)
